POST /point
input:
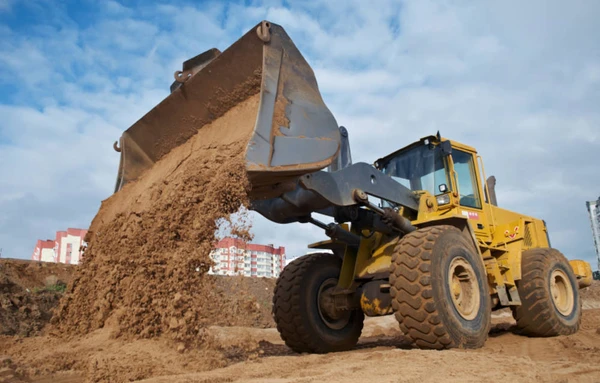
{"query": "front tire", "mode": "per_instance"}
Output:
(439, 289)
(302, 307)
(550, 302)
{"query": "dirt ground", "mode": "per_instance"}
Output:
(383, 356)
(28, 293)
(33, 350)
(254, 352)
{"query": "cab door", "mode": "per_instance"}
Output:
(469, 192)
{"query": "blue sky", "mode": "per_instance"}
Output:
(520, 81)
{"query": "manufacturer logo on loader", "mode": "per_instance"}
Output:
(470, 214)
(512, 235)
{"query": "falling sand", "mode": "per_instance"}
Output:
(151, 241)
(142, 280)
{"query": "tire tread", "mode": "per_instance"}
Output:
(411, 259)
(412, 292)
(537, 316)
(287, 308)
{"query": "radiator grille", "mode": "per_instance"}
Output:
(527, 236)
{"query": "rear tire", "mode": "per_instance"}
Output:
(550, 302)
(301, 321)
(439, 289)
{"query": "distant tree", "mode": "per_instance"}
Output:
(596, 275)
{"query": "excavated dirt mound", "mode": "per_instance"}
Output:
(28, 293)
(252, 304)
(99, 356)
(590, 296)
(591, 293)
(150, 242)
(34, 275)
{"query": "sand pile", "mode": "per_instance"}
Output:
(149, 247)
(590, 296)
(592, 292)
(28, 293)
(101, 357)
(252, 304)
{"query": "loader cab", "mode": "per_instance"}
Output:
(446, 170)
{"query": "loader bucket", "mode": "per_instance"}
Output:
(294, 131)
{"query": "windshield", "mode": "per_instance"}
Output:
(419, 168)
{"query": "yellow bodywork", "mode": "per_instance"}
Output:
(499, 235)
(374, 307)
(583, 272)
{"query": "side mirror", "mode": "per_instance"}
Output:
(446, 148)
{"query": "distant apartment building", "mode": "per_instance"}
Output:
(233, 256)
(67, 247)
(594, 210)
(44, 251)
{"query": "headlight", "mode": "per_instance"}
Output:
(443, 199)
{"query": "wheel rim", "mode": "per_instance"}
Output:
(464, 289)
(334, 319)
(562, 292)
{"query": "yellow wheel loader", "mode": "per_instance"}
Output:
(417, 234)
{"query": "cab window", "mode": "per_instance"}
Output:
(467, 179)
(419, 168)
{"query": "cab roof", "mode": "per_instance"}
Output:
(435, 139)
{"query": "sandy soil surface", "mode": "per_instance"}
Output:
(101, 355)
(383, 356)
(28, 293)
(257, 354)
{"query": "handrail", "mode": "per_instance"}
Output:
(487, 192)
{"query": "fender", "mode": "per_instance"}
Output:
(460, 222)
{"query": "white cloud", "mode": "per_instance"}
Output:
(6, 5)
(115, 8)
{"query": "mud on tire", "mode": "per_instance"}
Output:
(300, 322)
(422, 294)
(540, 314)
